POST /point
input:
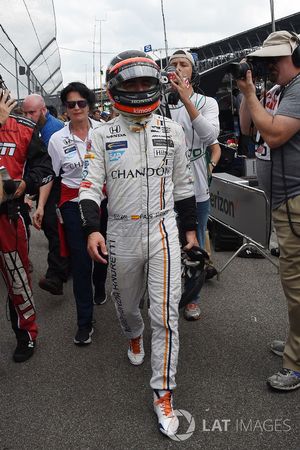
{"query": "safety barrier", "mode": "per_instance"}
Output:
(243, 209)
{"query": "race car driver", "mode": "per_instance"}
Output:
(25, 166)
(142, 158)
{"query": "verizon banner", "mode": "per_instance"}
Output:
(242, 208)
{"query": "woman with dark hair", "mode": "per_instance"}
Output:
(67, 149)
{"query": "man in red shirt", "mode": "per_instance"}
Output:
(25, 166)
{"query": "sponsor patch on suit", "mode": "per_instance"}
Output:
(116, 145)
(162, 143)
(115, 155)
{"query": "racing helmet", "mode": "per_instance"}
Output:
(130, 65)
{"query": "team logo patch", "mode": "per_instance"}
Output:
(85, 184)
(7, 148)
(84, 174)
(69, 151)
(116, 145)
(163, 143)
(89, 155)
(88, 145)
(115, 130)
(195, 153)
(158, 152)
(116, 155)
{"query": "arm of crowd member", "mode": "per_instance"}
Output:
(6, 106)
(55, 157)
(245, 119)
(205, 121)
(185, 92)
(184, 198)
(215, 155)
(275, 130)
(21, 189)
(207, 124)
(246, 122)
(38, 165)
(38, 216)
(90, 197)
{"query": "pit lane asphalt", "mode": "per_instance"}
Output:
(68, 397)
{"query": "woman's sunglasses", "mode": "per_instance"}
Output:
(80, 103)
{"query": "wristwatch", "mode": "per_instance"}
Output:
(213, 163)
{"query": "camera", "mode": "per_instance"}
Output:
(3, 87)
(2, 84)
(168, 74)
(8, 187)
(258, 67)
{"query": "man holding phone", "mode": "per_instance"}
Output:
(199, 117)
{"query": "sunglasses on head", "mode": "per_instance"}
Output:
(80, 103)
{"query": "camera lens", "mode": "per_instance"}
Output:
(239, 70)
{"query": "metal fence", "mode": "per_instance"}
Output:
(18, 77)
(29, 54)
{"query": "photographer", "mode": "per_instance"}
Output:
(199, 117)
(20, 148)
(279, 126)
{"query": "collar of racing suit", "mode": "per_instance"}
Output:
(135, 123)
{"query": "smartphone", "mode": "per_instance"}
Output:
(171, 73)
(3, 87)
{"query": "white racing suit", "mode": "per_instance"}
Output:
(146, 170)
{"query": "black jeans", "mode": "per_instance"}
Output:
(58, 266)
(83, 268)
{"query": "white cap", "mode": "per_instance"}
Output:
(279, 43)
(182, 54)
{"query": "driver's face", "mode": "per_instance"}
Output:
(137, 84)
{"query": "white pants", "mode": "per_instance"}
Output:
(131, 244)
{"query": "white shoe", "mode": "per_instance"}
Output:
(136, 352)
(163, 407)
